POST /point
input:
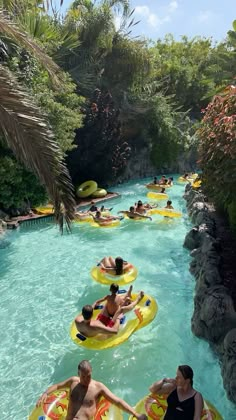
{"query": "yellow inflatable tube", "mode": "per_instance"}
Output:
(157, 196)
(106, 224)
(56, 405)
(141, 316)
(157, 187)
(155, 407)
(99, 193)
(106, 277)
(44, 210)
(166, 212)
(86, 189)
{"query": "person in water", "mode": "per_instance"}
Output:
(85, 393)
(98, 218)
(117, 265)
(132, 214)
(116, 304)
(163, 191)
(184, 402)
(170, 181)
(169, 205)
(93, 208)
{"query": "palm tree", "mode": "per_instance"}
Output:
(27, 133)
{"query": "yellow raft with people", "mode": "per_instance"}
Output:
(144, 312)
(157, 196)
(154, 406)
(102, 276)
(56, 405)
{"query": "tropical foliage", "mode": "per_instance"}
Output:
(218, 150)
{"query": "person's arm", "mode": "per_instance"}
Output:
(142, 215)
(164, 386)
(120, 403)
(122, 211)
(99, 301)
(198, 406)
(64, 384)
(102, 329)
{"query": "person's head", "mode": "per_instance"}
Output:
(155, 178)
(169, 202)
(85, 372)
(114, 288)
(98, 213)
(184, 374)
(140, 203)
(163, 177)
(163, 190)
(92, 202)
(131, 209)
(102, 208)
(87, 312)
(119, 265)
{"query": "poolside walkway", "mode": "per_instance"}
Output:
(14, 222)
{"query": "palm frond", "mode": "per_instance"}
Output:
(9, 29)
(31, 140)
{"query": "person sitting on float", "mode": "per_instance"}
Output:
(183, 400)
(93, 208)
(117, 265)
(169, 205)
(99, 218)
(163, 191)
(116, 304)
(162, 180)
(141, 207)
(170, 181)
(132, 214)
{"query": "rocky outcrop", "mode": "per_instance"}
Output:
(214, 316)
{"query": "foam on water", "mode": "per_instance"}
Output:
(45, 281)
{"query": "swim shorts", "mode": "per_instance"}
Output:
(105, 320)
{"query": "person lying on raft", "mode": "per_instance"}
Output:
(98, 218)
(183, 400)
(141, 207)
(84, 395)
(132, 214)
(116, 305)
(169, 205)
(116, 265)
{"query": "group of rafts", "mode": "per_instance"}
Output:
(157, 193)
(154, 406)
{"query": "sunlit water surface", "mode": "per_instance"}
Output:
(45, 281)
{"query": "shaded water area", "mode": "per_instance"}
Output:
(45, 280)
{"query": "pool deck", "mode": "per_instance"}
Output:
(14, 222)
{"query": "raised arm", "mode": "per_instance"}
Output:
(120, 403)
(64, 384)
(164, 386)
(198, 406)
(142, 215)
(131, 306)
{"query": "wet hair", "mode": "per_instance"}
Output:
(87, 312)
(163, 190)
(131, 208)
(102, 208)
(119, 265)
(84, 365)
(114, 288)
(140, 203)
(98, 213)
(169, 202)
(187, 372)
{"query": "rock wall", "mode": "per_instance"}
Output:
(140, 165)
(214, 316)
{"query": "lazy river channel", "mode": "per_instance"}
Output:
(45, 280)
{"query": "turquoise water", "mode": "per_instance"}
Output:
(45, 281)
